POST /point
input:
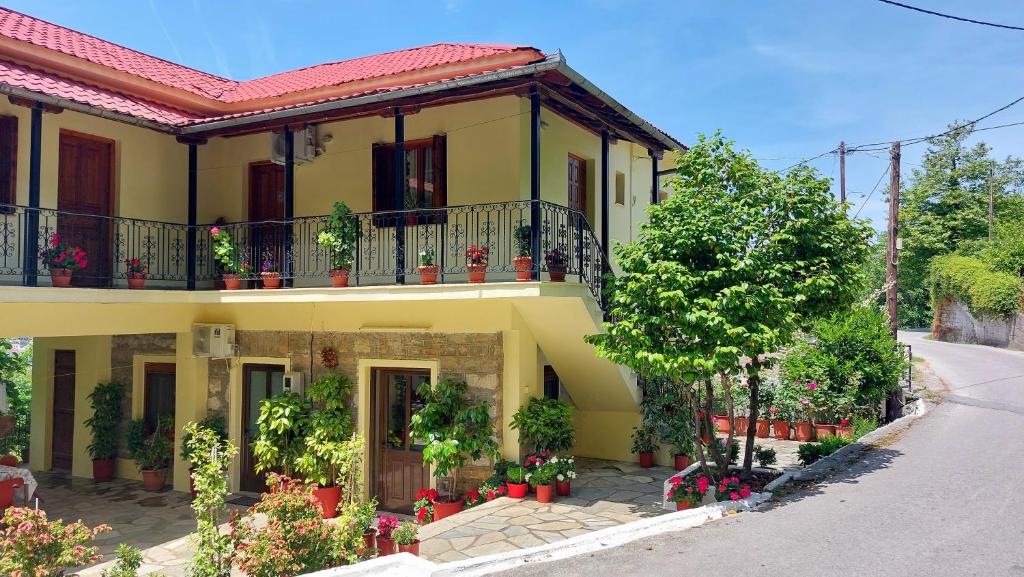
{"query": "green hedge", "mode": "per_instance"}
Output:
(969, 280)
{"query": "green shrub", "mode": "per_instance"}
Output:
(765, 456)
(545, 424)
(986, 292)
(813, 452)
(863, 425)
(105, 422)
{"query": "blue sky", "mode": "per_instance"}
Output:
(786, 79)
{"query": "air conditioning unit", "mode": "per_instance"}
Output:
(293, 383)
(304, 141)
(214, 341)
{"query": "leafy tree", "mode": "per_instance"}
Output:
(545, 424)
(726, 270)
(283, 423)
(210, 455)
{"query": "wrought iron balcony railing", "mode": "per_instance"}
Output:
(387, 250)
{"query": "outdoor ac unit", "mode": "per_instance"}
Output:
(304, 141)
(215, 341)
(293, 383)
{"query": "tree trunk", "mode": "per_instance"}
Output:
(721, 459)
(696, 418)
(754, 383)
(731, 407)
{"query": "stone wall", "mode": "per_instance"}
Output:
(954, 323)
(123, 349)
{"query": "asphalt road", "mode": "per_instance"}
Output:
(946, 497)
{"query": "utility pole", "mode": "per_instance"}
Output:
(842, 173)
(991, 205)
(893, 404)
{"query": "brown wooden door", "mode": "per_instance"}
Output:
(85, 185)
(158, 402)
(266, 203)
(259, 382)
(577, 184)
(63, 442)
(397, 458)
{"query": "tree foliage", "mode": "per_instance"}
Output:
(985, 291)
(545, 424)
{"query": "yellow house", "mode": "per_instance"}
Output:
(435, 149)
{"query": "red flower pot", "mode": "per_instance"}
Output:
(683, 505)
(413, 548)
(385, 546)
(523, 267)
(232, 282)
(271, 280)
(328, 498)
(563, 488)
(428, 273)
(781, 429)
(845, 431)
(762, 429)
(369, 542)
(705, 437)
(556, 274)
(339, 278)
(682, 462)
(477, 273)
(821, 430)
(153, 481)
(646, 460)
(722, 423)
(742, 424)
(137, 280)
(545, 493)
(804, 432)
(103, 470)
(517, 490)
(444, 509)
(60, 277)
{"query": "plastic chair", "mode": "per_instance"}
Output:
(7, 488)
(10, 461)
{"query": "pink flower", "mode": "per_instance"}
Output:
(702, 485)
(733, 495)
(812, 385)
(773, 410)
(844, 422)
(745, 492)
(55, 240)
(214, 231)
(805, 401)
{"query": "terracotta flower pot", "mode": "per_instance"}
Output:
(232, 282)
(683, 505)
(339, 278)
(556, 274)
(517, 490)
(271, 280)
(722, 423)
(742, 424)
(563, 488)
(523, 267)
(845, 431)
(413, 548)
(103, 470)
(762, 429)
(705, 437)
(477, 273)
(385, 546)
(646, 460)
(545, 493)
(61, 277)
(781, 429)
(428, 273)
(804, 432)
(369, 542)
(153, 481)
(328, 498)
(821, 430)
(192, 484)
(137, 280)
(681, 462)
(444, 509)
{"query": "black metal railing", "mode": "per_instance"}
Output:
(16, 442)
(387, 251)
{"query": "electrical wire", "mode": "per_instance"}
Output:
(872, 193)
(951, 17)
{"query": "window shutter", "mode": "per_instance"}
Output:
(383, 177)
(8, 159)
(440, 172)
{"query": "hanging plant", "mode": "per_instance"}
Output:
(328, 358)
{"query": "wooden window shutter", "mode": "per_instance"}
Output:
(440, 170)
(8, 159)
(383, 177)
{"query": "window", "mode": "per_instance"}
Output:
(8, 159)
(620, 189)
(158, 399)
(425, 175)
(551, 383)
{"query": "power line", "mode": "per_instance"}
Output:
(951, 17)
(872, 193)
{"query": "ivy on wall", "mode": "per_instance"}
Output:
(986, 292)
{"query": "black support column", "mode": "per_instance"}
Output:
(289, 204)
(193, 211)
(604, 192)
(535, 181)
(654, 175)
(30, 270)
(400, 184)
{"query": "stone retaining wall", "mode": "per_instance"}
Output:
(954, 323)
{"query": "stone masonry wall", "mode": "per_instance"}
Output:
(954, 323)
(123, 349)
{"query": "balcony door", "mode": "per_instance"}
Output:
(266, 203)
(397, 467)
(259, 382)
(85, 177)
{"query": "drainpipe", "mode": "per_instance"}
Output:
(654, 175)
(193, 205)
(535, 181)
(604, 208)
(31, 249)
(400, 184)
(289, 203)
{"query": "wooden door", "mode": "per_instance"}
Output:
(85, 186)
(159, 397)
(258, 382)
(63, 442)
(577, 184)
(397, 466)
(266, 203)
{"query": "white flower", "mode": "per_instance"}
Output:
(560, 477)
(528, 475)
(572, 474)
(455, 442)
(554, 459)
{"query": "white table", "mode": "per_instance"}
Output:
(25, 475)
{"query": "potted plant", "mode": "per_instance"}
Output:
(844, 428)
(269, 272)
(455, 431)
(644, 445)
(423, 506)
(722, 423)
(135, 272)
(688, 492)
(476, 263)
(428, 269)
(228, 258)
(803, 430)
(556, 264)
(327, 436)
(386, 525)
(545, 425)
(566, 472)
(516, 481)
(152, 454)
(542, 479)
(779, 424)
(36, 546)
(213, 423)
(281, 438)
(405, 537)
(63, 260)
(523, 262)
(104, 424)
(742, 423)
(339, 238)
(362, 518)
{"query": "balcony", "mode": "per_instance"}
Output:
(180, 256)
